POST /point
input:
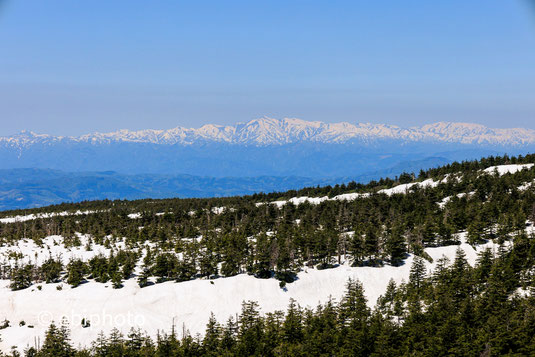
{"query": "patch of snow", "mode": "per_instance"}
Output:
(445, 200)
(520, 292)
(404, 188)
(312, 200)
(525, 186)
(507, 169)
(52, 246)
(350, 196)
(31, 217)
(218, 210)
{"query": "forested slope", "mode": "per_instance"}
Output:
(458, 307)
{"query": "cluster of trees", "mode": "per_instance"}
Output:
(22, 275)
(455, 310)
(115, 268)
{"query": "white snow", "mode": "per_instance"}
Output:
(268, 131)
(525, 186)
(507, 169)
(404, 188)
(30, 217)
(52, 246)
(299, 200)
(445, 200)
(317, 200)
(350, 196)
(218, 210)
(399, 189)
(158, 306)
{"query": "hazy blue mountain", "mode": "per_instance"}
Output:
(288, 147)
(261, 155)
(27, 188)
(24, 188)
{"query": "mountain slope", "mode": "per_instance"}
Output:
(155, 264)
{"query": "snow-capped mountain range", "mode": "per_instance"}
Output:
(268, 131)
(262, 155)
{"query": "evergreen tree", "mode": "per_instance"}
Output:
(21, 277)
(417, 275)
(395, 247)
(212, 337)
(51, 270)
(371, 245)
(76, 270)
(56, 343)
(143, 279)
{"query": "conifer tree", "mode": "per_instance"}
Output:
(21, 277)
(212, 336)
(395, 247)
(51, 270)
(76, 270)
(57, 342)
(417, 274)
(371, 244)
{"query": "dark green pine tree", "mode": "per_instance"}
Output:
(357, 249)
(262, 265)
(212, 337)
(354, 316)
(292, 327)
(353, 307)
(143, 278)
(21, 277)
(371, 245)
(116, 279)
(396, 247)
(250, 330)
(51, 270)
(417, 275)
(57, 342)
(476, 231)
(76, 271)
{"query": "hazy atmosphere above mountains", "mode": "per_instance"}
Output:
(73, 67)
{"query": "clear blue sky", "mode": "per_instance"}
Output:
(70, 67)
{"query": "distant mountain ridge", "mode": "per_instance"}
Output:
(28, 188)
(262, 155)
(268, 131)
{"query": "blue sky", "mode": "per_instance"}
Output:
(70, 67)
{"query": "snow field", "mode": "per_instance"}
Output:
(507, 169)
(186, 304)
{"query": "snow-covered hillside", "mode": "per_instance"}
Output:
(186, 304)
(269, 131)
(404, 188)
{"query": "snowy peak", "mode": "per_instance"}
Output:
(478, 134)
(270, 131)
